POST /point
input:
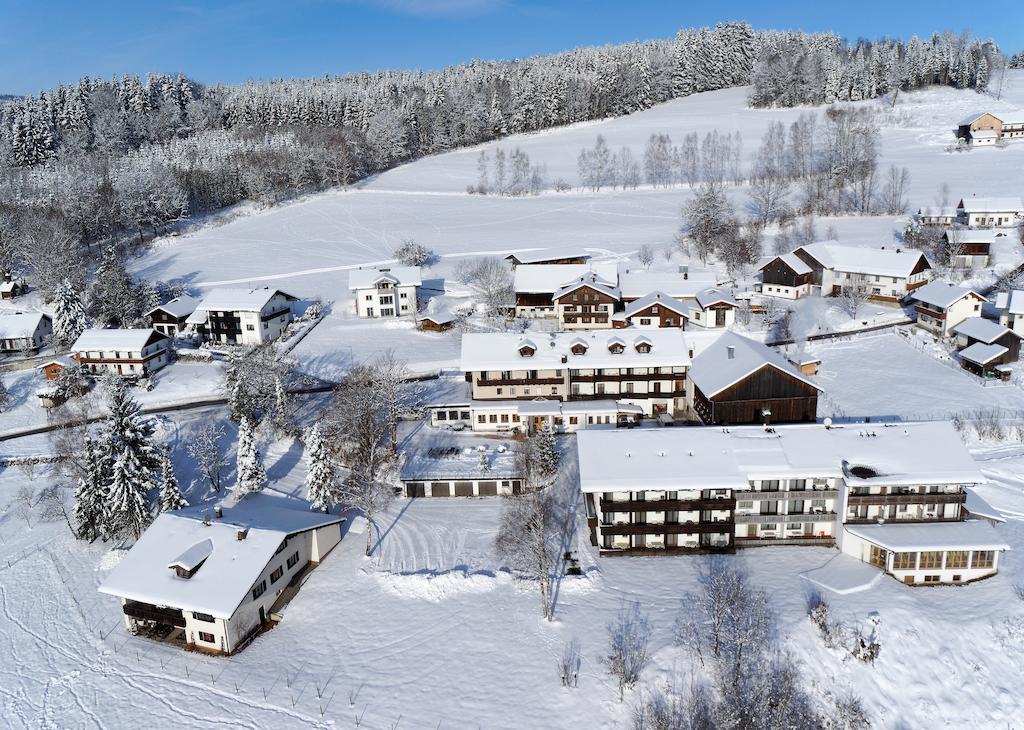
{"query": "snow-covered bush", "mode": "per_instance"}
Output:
(411, 253)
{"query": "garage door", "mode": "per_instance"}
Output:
(440, 489)
(463, 489)
(415, 489)
(487, 489)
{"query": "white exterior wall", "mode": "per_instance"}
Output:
(959, 311)
(707, 319)
(116, 361)
(997, 219)
(860, 548)
(1014, 322)
(786, 292)
(545, 312)
(386, 301)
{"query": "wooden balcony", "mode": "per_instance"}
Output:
(627, 377)
(795, 494)
(501, 382)
(678, 550)
(934, 314)
(897, 520)
(745, 542)
(756, 519)
(627, 394)
(923, 498)
(669, 528)
(667, 505)
(148, 612)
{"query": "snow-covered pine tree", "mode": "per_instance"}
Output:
(282, 408)
(91, 496)
(130, 461)
(252, 477)
(5, 396)
(546, 454)
(171, 497)
(127, 509)
(320, 487)
(69, 317)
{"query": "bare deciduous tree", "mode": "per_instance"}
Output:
(852, 298)
(527, 541)
(645, 255)
(206, 448)
(628, 638)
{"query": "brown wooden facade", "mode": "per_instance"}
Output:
(779, 273)
(656, 313)
(563, 260)
(788, 399)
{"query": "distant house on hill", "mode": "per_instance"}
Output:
(990, 212)
(385, 292)
(12, 288)
(945, 215)
(985, 128)
(549, 256)
(941, 306)
(169, 318)
(21, 331)
(242, 316)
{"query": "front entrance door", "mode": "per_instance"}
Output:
(263, 615)
(719, 318)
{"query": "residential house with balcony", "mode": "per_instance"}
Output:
(385, 292)
(535, 285)
(211, 582)
(130, 353)
(787, 276)
(885, 274)
(941, 306)
(737, 380)
(171, 317)
(587, 303)
(24, 331)
(242, 316)
(892, 496)
(990, 212)
(653, 311)
(1010, 306)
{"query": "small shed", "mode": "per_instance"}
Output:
(985, 360)
(461, 470)
(11, 288)
(51, 369)
(438, 322)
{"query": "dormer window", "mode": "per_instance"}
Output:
(616, 348)
(189, 562)
(526, 351)
(642, 345)
(579, 349)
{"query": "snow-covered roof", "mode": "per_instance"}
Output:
(231, 299)
(984, 330)
(657, 297)
(549, 278)
(438, 317)
(943, 294)
(460, 462)
(8, 286)
(705, 457)
(1011, 302)
(63, 360)
(397, 275)
(500, 350)
(709, 297)
(937, 211)
(178, 307)
(897, 262)
(20, 324)
(981, 353)
(733, 357)
(970, 235)
(972, 118)
(231, 565)
(991, 205)
(969, 535)
(978, 506)
(792, 261)
(635, 284)
(592, 280)
(131, 340)
(548, 254)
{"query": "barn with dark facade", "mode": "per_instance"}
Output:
(736, 380)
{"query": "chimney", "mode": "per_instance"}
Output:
(218, 512)
(731, 350)
(241, 534)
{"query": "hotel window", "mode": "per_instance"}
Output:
(481, 418)
(744, 505)
(956, 558)
(768, 526)
(930, 560)
(983, 559)
(259, 589)
(493, 417)
(293, 560)
(207, 637)
(202, 617)
(276, 575)
(504, 418)
(904, 561)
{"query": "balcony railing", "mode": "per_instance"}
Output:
(751, 519)
(922, 498)
(793, 494)
(148, 612)
(769, 541)
(668, 528)
(665, 505)
(519, 381)
(929, 312)
(897, 520)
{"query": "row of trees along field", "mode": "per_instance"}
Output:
(110, 159)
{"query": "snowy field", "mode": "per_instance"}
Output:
(430, 632)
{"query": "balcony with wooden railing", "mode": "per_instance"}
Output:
(928, 312)
(486, 382)
(149, 612)
(757, 518)
(911, 498)
(667, 505)
(796, 494)
(669, 528)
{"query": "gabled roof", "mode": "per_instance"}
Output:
(972, 118)
(1012, 302)
(590, 280)
(713, 296)
(231, 565)
(943, 294)
(20, 324)
(549, 278)
(636, 284)
(63, 360)
(129, 340)
(397, 275)
(793, 261)
(970, 235)
(983, 330)
(178, 307)
(991, 205)
(657, 297)
(943, 211)
(230, 299)
(981, 354)
(894, 262)
(713, 370)
(548, 254)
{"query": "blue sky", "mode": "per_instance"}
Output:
(43, 43)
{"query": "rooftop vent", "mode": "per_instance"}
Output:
(218, 512)
(731, 352)
(241, 534)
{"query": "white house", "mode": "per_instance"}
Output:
(24, 331)
(986, 129)
(385, 292)
(787, 276)
(655, 310)
(887, 274)
(213, 578)
(1011, 310)
(242, 316)
(170, 318)
(586, 303)
(892, 496)
(714, 309)
(990, 212)
(940, 215)
(941, 306)
(131, 353)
